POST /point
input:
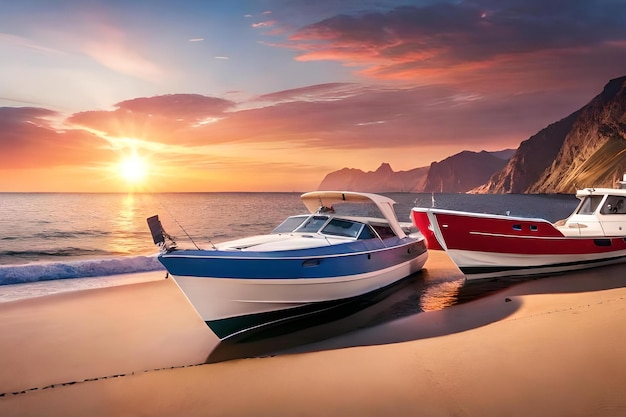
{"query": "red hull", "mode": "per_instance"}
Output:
(422, 222)
(483, 245)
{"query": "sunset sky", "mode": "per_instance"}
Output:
(271, 95)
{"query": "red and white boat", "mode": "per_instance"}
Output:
(490, 246)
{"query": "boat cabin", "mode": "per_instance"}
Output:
(335, 226)
(601, 212)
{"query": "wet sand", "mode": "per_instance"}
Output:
(551, 346)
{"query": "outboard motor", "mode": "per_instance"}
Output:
(159, 235)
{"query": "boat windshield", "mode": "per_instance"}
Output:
(340, 227)
(589, 204)
(312, 224)
(290, 224)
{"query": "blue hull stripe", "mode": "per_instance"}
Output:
(190, 263)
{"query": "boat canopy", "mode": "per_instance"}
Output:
(317, 200)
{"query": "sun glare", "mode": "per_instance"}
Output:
(133, 169)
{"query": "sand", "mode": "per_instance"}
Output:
(549, 347)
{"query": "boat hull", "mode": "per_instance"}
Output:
(234, 294)
(488, 246)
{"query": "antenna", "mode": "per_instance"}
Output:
(185, 232)
(183, 229)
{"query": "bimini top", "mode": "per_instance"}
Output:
(317, 200)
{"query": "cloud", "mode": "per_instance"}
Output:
(327, 123)
(334, 116)
(28, 140)
(266, 24)
(21, 42)
(159, 118)
(114, 52)
(441, 41)
(188, 106)
(344, 116)
(318, 92)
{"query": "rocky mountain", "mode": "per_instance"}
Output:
(458, 173)
(384, 179)
(464, 171)
(587, 148)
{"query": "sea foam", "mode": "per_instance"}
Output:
(17, 274)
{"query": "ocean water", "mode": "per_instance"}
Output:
(51, 237)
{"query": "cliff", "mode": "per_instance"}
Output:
(457, 173)
(594, 151)
(463, 171)
(384, 179)
(587, 148)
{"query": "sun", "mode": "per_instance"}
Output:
(133, 169)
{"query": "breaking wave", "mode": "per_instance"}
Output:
(17, 274)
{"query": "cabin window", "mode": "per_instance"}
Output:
(367, 233)
(589, 204)
(517, 227)
(289, 225)
(533, 228)
(312, 224)
(614, 205)
(384, 231)
(339, 227)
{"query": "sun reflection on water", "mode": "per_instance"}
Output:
(124, 227)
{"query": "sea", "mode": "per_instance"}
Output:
(55, 242)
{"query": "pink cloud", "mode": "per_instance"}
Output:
(112, 48)
(339, 116)
(442, 42)
(153, 117)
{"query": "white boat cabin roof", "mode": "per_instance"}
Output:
(601, 212)
(318, 201)
(613, 200)
(610, 201)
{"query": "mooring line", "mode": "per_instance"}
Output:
(64, 384)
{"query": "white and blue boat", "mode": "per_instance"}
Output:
(309, 263)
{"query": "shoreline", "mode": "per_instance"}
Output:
(550, 346)
(43, 288)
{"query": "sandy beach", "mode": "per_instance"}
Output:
(547, 347)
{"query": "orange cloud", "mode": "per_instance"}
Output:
(28, 140)
(154, 118)
(279, 141)
(328, 116)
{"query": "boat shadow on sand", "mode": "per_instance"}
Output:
(431, 303)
